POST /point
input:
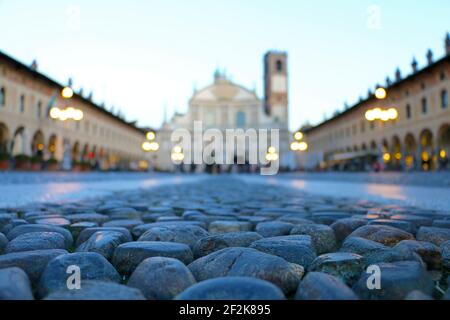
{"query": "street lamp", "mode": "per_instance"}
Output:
(380, 93)
(68, 113)
(177, 154)
(380, 114)
(272, 154)
(298, 144)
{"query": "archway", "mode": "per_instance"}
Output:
(427, 153)
(396, 150)
(444, 146)
(18, 142)
(75, 151)
(52, 146)
(410, 151)
(38, 144)
(4, 138)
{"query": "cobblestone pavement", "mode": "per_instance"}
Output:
(223, 238)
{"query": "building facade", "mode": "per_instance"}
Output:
(227, 105)
(26, 128)
(418, 138)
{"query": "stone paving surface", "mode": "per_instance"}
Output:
(223, 238)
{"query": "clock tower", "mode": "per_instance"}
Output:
(276, 87)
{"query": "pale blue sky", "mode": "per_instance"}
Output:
(144, 54)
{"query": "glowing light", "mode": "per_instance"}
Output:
(151, 136)
(443, 154)
(146, 146)
(177, 157)
(40, 147)
(409, 161)
(393, 113)
(383, 115)
(272, 157)
(143, 165)
(387, 157)
(425, 156)
(295, 146)
(381, 93)
(272, 150)
(298, 136)
(177, 149)
(67, 93)
(303, 146)
(398, 156)
(66, 114)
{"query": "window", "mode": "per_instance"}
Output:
(39, 109)
(279, 66)
(240, 119)
(408, 112)
(424, 106)
(442, 75)
(2, 97)
(444, 99)
(22, 104)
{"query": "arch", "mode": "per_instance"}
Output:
(396, 149)
(18, 141)
(38, 144)
(85, 152)
(427, 152)
(373, 145)
(52, 145)
(4, 138)
(444, 146)
(75, 151)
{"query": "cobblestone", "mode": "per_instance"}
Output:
(222, 239)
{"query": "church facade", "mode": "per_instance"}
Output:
(226, 105)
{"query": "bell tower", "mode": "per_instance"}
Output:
(276, 100)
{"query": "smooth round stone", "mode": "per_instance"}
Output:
(159, 210)
(361, 246)
(434, 235)
(93, 266)
(127, 224)
(430, 253)
(322, 286)
(232, 288)
(32, 262)
(417, 295)
(141, 229)
(87, 233)
(161, 278)
(402, 225)
(76, 228)
(386, 235)
(417, 221)
(328, 218)
(274, 228)
(128, 256)
(218, 227)
(163, 219)
(3, 243)
(124, 214)
(218, 242)
(441, 224)
(345, 266)
(89, 217)
(248, 262)
(5, 219)
(36, 241)
(104, 243)
(445, 251)
(98, 290)
(176, 233)
(14, 223)
(295, 219)
(322, 236)
(344, 227)
(44, 217)
(295, 249)
(397, 281)
(28, 228)
(151, 217)
(60, 222)
(15, 285)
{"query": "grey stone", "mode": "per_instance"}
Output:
(98, 290)
(233, 288)
(402, 225)
(441, 224)
(78, 227)
(345, 266)
(397, 281)
(36, 241)
(323, 236)
(3, 243)
(87, 217)
(32, 262)
(322, 286)
(328, 218)
(27, 228)
(218, 242)
(123, 223)
(386, 235)
(141, 229)
(124, 213)
(15, 285)
(161, 278)
(434, 235)
(274, 228)
(128, 256)
(295, 220)
(87, 233)
(14, 223)
(248, 262)
(93, 266)
(59, 222)
(104, 243)
(344, 227)
(295, 249)
(417, 221)
(187, 234)
(218, 227)
(430, 253)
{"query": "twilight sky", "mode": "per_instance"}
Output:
(142, 55)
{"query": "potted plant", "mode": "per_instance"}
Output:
(4, 161)
(22, 162)
(36, 163)
(52, 164)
